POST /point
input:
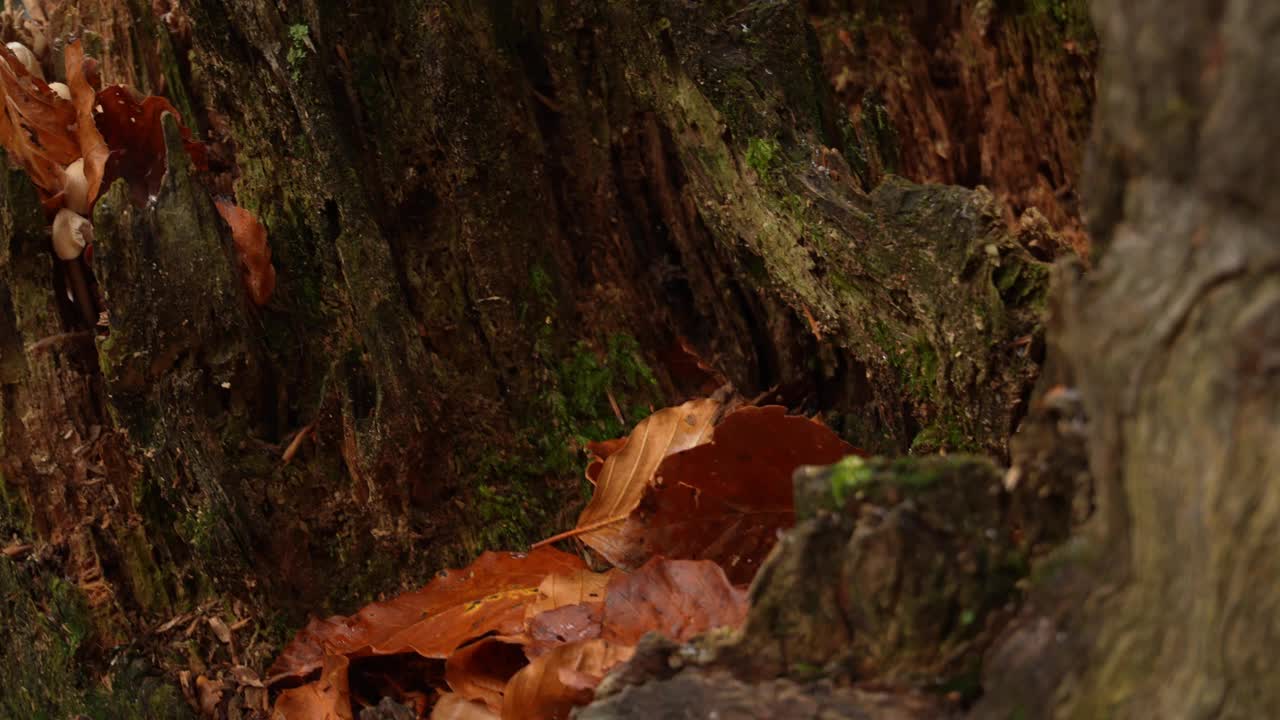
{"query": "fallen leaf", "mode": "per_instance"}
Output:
(677, 598)
(35, 125)
(328, 698)
(452, 707)
(600, 451)
(209, 693)
(480, 671)
(131, 127)
(627, 473)
(555, 683)
(255, 257)
(562, 626)
(558, 590)
(728, 500)
(93, 148)
(220, 629)
(455, 607)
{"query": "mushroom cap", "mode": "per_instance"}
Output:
(61, 90)
(27, 58)
(76, 187)
(71, 233)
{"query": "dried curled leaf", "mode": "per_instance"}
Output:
(328, 698)
(553, 684)
(253, 250)
(480, 671)
(84, 96)
(677, 598)
(130, 125)
(452, 706)
(454, 608)
(728, 500)
(36, 125)
(628, 472)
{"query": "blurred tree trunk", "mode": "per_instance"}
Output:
(495, 225)
(1167, 606)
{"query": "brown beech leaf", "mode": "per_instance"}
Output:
(451, 706)
(93, 148)
(555, 683)
(600, 451)
(251, 247)
(556, 591)
(677, 598)
(727, 500)
(131, 127)
(627, 473)
(36, 126)
(328, 698)
(454, 608)
(567, 610)
(561, 626)
(480, 671)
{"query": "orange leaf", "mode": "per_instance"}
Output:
(556, 591)
(328, 698)
(678, 598)
(727, 500)
(251, 247)
(628, 472)
(454, 707)
(457, 606)
(480, 671)
(93, 148)
(35, 125)
(567, 610)
(600, 451)
(553, 684)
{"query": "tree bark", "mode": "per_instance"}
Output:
(492, 223)
(1166, 606)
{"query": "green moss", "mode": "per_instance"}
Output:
(1070, 17)
(46, 671)
(513, 491)
(848, 477)
(764, 155)
(299, 45)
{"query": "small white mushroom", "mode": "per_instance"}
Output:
(76, 187)
(27, 58)
(70, 234)
(61, 90)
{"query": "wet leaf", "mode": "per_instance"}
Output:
(677, 598)
(252, 249)
(728, 500)
(454, 707)
(480, 671)
(461, 605)
(328, 698)
(553, 684)
(131, 127)
(561, 626)
(559, 590)
(36, 126)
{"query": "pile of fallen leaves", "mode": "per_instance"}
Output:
(685, 509)
(74, 139)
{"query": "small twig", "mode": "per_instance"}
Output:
(582, 530)
(617, 412)
(59, 339)
(296, 444)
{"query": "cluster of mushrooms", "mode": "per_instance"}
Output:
(72, 230)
